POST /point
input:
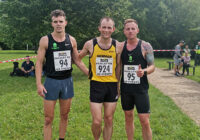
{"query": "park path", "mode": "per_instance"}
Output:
(184, 92)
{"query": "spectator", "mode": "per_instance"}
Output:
(197, 55)
(186, 50)
(28, 67)
(186, 63)
(177, 58)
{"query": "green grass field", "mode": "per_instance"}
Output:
(21, 110)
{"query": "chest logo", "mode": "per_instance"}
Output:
(130, 59)
(55, 47)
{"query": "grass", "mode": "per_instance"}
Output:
(21, 111)
(162, 63)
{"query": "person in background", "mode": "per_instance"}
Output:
(186, 63)
(197, 55)
(178, 58)
(186, 50)
(28, 67)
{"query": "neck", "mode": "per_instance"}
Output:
(104, 40)
(133, 41)
(59, 36)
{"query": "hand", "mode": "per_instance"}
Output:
(41, 90)
(140, 72)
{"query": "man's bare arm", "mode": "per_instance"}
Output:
(76, 58)
(43, 45)
(86, 49)
(119, 48)
(149, 56)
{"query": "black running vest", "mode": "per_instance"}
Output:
(130, 58)
(58, 58)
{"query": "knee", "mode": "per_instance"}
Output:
(128, 117)
(48, 121)
(145, 123)
(64, 116)
(97, 122)
(108, 120)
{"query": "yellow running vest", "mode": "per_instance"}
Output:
(103, 63)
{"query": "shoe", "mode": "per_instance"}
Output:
(176, 74)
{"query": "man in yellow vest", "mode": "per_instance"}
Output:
(103, 53)
(197, 55)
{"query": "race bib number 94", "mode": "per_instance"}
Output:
(104, 66)
(130, 76)
(62, 60)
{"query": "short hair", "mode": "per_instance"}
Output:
(129, 21)
(57, 12)
(107, 19)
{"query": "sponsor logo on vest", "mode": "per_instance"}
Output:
(55, 47)
(67, 45)
(130, 59)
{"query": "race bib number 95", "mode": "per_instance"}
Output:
(104, 66)
(62, 60)
(130, 75)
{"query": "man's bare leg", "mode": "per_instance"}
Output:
(129, 124)
(49, 106)
(64, 111)
(146, 130)
(96, 111)
(109, 110)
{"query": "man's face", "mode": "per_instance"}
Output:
(199, 43)
(106, 28)
(131, 30)
(181, 44)
(27, 59)
(59, 23)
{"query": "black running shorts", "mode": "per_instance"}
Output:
(103, 92)
(139, 99)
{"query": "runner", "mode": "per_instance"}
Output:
(59, 49)
(103, 80)
(137, 60)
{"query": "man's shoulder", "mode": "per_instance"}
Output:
(44, 39)
(32, 62)
(146, 45)
(145, 42)
(90, 42)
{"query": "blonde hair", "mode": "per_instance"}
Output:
(130, 20)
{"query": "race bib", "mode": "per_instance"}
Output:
(104, 66)
(62, 60)
(130, 75)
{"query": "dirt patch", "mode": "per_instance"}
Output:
(184, 92)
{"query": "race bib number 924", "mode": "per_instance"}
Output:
(104, 66)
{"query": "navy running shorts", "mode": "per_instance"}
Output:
(59, 89)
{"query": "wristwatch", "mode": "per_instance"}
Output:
(145, 73)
